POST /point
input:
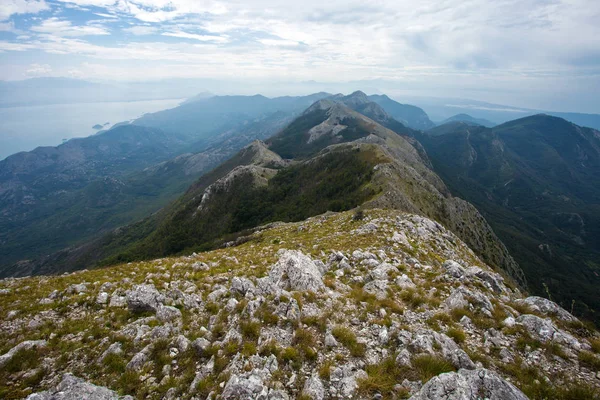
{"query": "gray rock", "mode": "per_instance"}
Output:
(167, 314)
(382, 272)
(405, 282)
(141, 358)
(26, 345)
(547, 307)
(330, 341)
(102, 298)
(218, 292)
(246, 386)
(182, 343)
(77, 288)
(469, 385)
(143, 298)
(403, 358)
(293, 271)
(242, 285)
(377, 288)
(345, 379)
(201, 345)
(73, 388)
(544, 330)
(313, 388)
(453, 269)
(114, 348)
(200, 266)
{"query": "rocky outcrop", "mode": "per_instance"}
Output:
(26, 345)
(73, 388)
(469, 385)
(144, 298)
(293, 271)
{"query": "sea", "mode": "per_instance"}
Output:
(25, 128)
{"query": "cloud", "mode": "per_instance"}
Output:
(36, 70)
(141, 30)
(12, 7)
(62, 27)
(202, 38)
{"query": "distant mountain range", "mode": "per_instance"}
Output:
(194, 177)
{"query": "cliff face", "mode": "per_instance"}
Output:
(357, 305)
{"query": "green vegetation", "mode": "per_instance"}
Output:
(346, 337)
(335, 181)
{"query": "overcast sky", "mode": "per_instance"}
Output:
(530, 53)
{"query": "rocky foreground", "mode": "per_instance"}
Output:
(391, 305)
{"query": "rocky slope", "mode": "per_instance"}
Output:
(536, 181)
(374, 304)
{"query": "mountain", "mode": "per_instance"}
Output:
(536, 180)
(205, 117)
(329, 158)
(466, 118)
(379, 304)
(412, 116)
(54, 197)
(443, 108)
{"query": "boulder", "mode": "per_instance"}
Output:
(377, 288)
(468, 385)
(453, 269)
(293, 271)
(313, 388)
(73, 388)
(26, 345)
(242, 285)
(547, 307)
(144, 298)
(167, 314)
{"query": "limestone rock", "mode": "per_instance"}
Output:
(313, 388)
(547, 307)
(26, 345)
(469, 385)
(144, 298)
(73, 388)
(167, 314)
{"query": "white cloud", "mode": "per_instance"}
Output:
(62, 27)
(35, 70)
(202, 38)
(11, 7)
(141, 30)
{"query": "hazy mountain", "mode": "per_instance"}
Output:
(341, 159)
(466, 118)
(58, 196)
(412, 116)
(442, 108)
(536, 180)
(206, 117)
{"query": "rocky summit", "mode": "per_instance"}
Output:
(366, 304)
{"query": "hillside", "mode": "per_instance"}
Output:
(54, 197)
(536, 181)
(384, 305)
(341, 159)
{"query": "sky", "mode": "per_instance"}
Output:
(541, 54)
